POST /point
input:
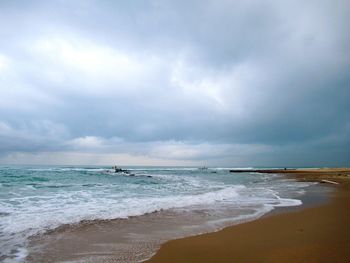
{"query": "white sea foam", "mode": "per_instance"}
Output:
(46, 212)
(66, 169)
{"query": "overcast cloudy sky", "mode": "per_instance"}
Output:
(232, 83)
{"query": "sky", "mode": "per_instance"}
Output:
(215, 83)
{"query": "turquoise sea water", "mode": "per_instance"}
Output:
(36, 199)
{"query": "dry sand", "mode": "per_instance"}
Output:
(318, 234)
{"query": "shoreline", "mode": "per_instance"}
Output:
(309, 234)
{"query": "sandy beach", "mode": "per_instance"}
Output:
(317, 234)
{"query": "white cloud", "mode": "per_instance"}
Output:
(87, 57)
(79, 64)
(4, 63)
(86, 142)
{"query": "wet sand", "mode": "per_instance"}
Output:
(317, 234)
(128, 240)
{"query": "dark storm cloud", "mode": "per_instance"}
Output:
(229, 82)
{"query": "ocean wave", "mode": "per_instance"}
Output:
(46, 213)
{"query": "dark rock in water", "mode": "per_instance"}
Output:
(149, 176)
(267, 171)
(119, 170)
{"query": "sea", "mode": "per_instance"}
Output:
(37, 200)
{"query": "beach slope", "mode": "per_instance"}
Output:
(317, 234)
